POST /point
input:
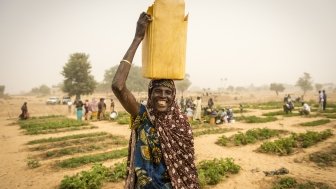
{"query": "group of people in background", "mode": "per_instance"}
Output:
(305, 109)
(94, 110)
(194, 111)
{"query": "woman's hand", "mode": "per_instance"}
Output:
(142, 25)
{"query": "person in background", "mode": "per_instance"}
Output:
(190, 114)
(101, 107)
(210, 103)
(94, 109)
(324, 97)
(87, 109)
(229, 113)
(182, 104)
(69, 103)
(112, 106)
(79, 109)
(161, 149)
(320, 99)
(305, 110)
(198, 109)
(241, 108)
(24, 111)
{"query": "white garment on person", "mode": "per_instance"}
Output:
(189, 112)
(198, 109)
(321, 97)
(306, 107)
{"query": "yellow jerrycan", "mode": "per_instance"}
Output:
(164, 45)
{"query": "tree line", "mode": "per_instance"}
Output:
(78, 80)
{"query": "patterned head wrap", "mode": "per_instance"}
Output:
(161, 83)
(175, 135)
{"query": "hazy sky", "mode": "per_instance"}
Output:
(245, 41)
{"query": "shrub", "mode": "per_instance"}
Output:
(92, 179)
(212, 171)
(33, 163)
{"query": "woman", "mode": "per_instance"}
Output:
(79, 109)
(161, 151)
(24, 111)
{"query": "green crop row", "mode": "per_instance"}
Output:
(83, 160)
(212, 131)
(255, 119)
(316, 123)
(65, 138)
(285, 146)
(95, 177)
(251, 136)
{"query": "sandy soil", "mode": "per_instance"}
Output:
(14, 172)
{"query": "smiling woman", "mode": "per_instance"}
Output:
(161, 135)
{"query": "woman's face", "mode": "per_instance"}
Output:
(162, 98)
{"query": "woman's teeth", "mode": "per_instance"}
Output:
(162, 103)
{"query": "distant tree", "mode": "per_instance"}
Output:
(77, 73)
(135, 81)
(318, 86)
(35, 90)
(277, 87)
(305, 83)
(230, 88)
(240, 89)
(44, 90)
(2, 90)
(184, 84)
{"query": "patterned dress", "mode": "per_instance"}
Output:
(150, 169)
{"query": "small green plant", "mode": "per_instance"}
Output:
(251, 136)
(316, 123)
(211, 172)
(292, 183)
(33, 163)
(286, 182)
(123, 118)
(92, 179)
(95, 177)
(118, 173)
(282, 146)
(324, 158)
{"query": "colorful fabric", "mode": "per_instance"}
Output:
(79, 114)
(177, 144)
(150, 169)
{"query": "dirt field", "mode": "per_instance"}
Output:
(14, 172)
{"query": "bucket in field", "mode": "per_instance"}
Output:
(164, 45)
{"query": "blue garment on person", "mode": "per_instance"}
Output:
(150, 169)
